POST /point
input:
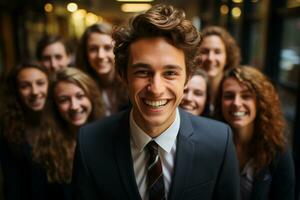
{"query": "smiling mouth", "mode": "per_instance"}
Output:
(239, 114)
(188, 107)
(156, 104)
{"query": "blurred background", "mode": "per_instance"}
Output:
(266, 30)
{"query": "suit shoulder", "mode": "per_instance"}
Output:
(103, 127)
(208, 124)
(210, 131)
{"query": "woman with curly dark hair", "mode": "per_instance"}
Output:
(32, 152)
(218, 51)
(249, 103)
(95, 57)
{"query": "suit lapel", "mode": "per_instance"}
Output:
(124, 159)
(184, 157)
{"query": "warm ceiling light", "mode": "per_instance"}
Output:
(48, 7)
(224, 10)
(135, 1)
(135, 7)
(79, 14)
(91, 18)
(236, 12)
(72, 7)
(237, 1)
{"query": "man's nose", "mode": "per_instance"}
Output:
(156, 85)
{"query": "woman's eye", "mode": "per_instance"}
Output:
(62, 100)
(142, 73)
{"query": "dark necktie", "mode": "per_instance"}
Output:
(155, 176)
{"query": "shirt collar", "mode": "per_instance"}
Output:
(165, 140)
(248, 170)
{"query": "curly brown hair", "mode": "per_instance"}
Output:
(233, 53)
(269, 136)
(159, 21)
(47, 150)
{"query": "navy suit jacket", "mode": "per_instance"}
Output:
(205, 168)
(277, 181)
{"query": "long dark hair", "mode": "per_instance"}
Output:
(47, 148)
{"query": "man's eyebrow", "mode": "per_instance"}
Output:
(140, 65)
(144, 65)
(176, 67)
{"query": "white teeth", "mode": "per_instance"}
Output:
(156, 103)
(239, 114)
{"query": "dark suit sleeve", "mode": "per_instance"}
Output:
(283, 178)
(82, 183)
(228, 183)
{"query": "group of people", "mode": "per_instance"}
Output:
(44, 104)
(115, 123)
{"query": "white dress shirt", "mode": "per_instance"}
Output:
(166, 150)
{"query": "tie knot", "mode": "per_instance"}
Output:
(152, 148)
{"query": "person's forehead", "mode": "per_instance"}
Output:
(55, 47)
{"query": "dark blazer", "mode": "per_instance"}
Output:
(277, 181)
(205, 168)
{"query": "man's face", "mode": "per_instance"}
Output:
(55, 57)
(156, 76)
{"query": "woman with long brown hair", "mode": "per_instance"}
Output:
(31, 152)
(249, 103)
(95, 57)
(77, 99)
(218, 51)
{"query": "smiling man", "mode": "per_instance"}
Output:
(155, 150)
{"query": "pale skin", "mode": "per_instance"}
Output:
(156, 77)
(194, 97)
(100, 55)
(55, 57)
(212, 58)
(73, 104)
(239, 110)
(33, 88)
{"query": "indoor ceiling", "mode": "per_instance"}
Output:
(111, 9)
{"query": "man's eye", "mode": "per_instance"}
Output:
(170, 73)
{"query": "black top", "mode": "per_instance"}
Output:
(25, 179)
